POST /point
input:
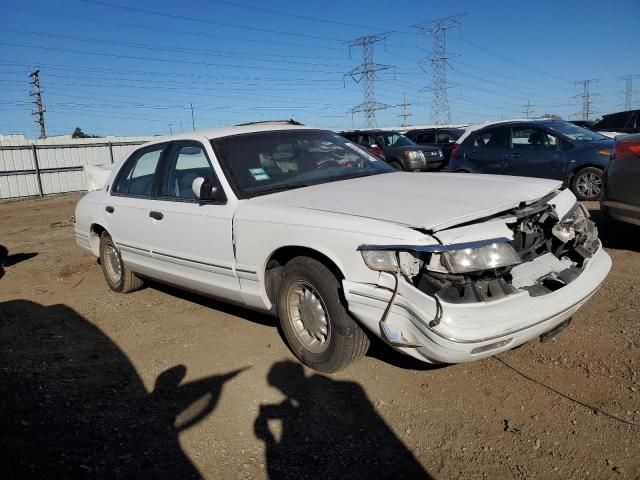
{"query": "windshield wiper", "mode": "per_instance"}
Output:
(281, 188)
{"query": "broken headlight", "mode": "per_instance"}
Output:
(381, 260)
(494, 255)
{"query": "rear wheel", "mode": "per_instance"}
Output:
(316, 324)
(587, 184)
(119, 277)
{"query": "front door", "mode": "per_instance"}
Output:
(190, 239)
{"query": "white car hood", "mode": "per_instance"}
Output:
(432, 201)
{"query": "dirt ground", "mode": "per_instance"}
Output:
(162, 383)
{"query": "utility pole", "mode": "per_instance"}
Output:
(193, 122)
(366, 72)
(528, 109)
(586, 98)
(35, 81)
(170, 130)
(437, 29)
(405, 112)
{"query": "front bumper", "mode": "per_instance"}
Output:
(471, 331)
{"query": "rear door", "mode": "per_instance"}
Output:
(487, 149)
(191, 240)
(534, 152)
(131, 197)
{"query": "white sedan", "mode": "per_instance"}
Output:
(302, 223)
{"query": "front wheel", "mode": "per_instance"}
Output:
(396, 166)
(315, 323)
(587, 184)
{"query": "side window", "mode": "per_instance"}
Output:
(495, 138)
(428, 137)
(185, 163)
(366, 140)
(444, 137)
(137, 175)
(527, 138)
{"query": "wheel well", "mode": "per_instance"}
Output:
(278, 260)
(94, 236)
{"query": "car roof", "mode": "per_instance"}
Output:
(478, 126)
(213, 133)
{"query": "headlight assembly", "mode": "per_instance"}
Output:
(414, 154)
(490, 256)
(381, 260)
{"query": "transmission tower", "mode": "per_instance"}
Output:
(405, 111)
(528, 109)
(628, 90)
(437, 29)
(366, 72)
(586, 96)
(37, 92)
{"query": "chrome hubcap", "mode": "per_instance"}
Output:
(308, 316)
(112, 263)
(589, 184)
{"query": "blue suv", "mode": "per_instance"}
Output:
(544, 148)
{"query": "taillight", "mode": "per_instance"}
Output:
(454, 151)
(624, 149)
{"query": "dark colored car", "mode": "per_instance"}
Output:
(583, 123)
(443, 138)
(620, 122)
(621, 193)
(397, 150)
(537, 148)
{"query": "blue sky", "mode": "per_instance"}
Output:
(133, 68)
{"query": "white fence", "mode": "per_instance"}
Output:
(55, 165)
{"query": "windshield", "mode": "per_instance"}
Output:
(576, 133)
(395, 139)
(266, 162)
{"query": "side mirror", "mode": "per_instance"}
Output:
(205, 189)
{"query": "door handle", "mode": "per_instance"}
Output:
(109, 209)
(473, 154)
(156, 215)
(512, 155)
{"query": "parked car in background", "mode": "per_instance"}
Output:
(443, 138)
(305, 225)
(583, 123)
(397, 150)
(618, 123)
(545, 148)
(621, 193)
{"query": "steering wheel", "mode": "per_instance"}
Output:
(328, 164)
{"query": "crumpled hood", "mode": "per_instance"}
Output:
(432, 201)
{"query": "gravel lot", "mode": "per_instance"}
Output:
(95, 384)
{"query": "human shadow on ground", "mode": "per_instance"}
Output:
(328, 428)
(73, 406)
(7, 260)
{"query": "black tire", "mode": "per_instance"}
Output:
(345, 342)
(395, 165)
(587, 184)
(118, 276)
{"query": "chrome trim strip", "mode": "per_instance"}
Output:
(435, 248)
(253, 272)
(191, 260)
(621, 206)
(120, 244)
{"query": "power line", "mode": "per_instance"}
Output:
(208, 21)
(437, 29)
(366, 72)
(37, 92)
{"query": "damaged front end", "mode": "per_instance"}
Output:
(539, 251)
